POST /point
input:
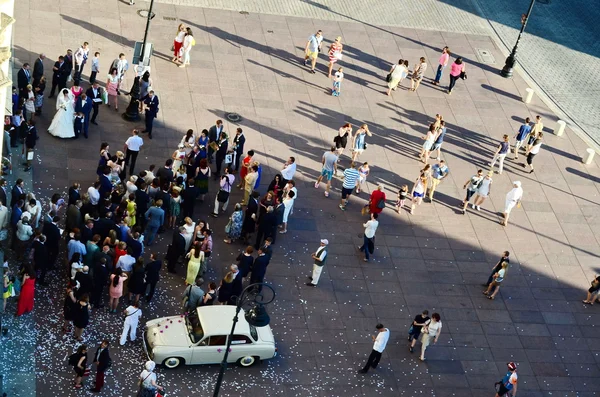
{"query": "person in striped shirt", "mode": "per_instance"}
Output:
(351, 176)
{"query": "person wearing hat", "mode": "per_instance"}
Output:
(508, 385)
(147, 380)
(320, 258)
(512, 198)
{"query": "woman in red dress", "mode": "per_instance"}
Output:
(25, 304)
(376, 205)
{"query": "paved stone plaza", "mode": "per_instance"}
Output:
(436, 259)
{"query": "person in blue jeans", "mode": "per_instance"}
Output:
(155, 217)
(370, 229)
(522, 135)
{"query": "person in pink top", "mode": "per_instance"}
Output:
(442, 65)
(456, 72)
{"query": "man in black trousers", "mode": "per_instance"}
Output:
(497, 267)
(379, 343)
(176, 249)
(52, 233)
(40, 258)
(152, 275)
(103, 362)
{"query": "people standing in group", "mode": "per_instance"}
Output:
(500, 154)
(471, 185)
(288, 170)
(329, 163)
(457, 71)
(222, 198)
(442, 63)
(483, 191)
(26, 296)
(193, 295)
(351, 181)
(335, 53)
(420, 321)
(508, 385)
(117, 280)
(513, 198)
(359, 144)
(395, 75)
(95, 93)
(132, 149)
(145, 84)
(505, 258)
(178, 44)
(533, 151)
(369, 236)
(439, 172)
(430, 333)
(312, 50)
(80, 57)
(249, 182)
(188, 43)
(418, 73)
(39, 89)
(538, 127)
(320, 259)
(379, 343)
(103, 362)
(122, 66)
(238, 148)
(132, 315)
(522, 135)
(112, 88)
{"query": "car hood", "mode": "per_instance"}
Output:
(167, 331)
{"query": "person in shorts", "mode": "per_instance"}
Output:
(508, 385)
(351, 177)
(471, 185)
(329, 161)
(313, 47)
(417, 325)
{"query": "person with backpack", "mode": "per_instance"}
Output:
(369, 236)
(377, 200)
(508, 385)
(79, 362)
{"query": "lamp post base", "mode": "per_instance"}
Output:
(507, 70)
(132, 113)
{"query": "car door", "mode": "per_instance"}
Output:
(210, 350)
(241, 346)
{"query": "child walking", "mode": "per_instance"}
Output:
(402, 194)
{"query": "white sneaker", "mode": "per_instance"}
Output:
(316, 185)
(473, 206)
(478, 208)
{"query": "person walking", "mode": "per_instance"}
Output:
(79, 362)
(507, 387)
(132, 149)
(359, 145)
(472, 184)
(442, 65)
(457, 71)
(505, 258)
(498, 278)
(538, 127)
(418, 73)
(394, 76)
(379, 342)
(329, 161)
(335, 53)
(95, 67)
(439, 140)
(313, 47)
(429, 138)
(500, 154)
(377, 200)
(369, 236)
(431, 332)
(535, 149)
(513, 198)
(420, 321)
(103, 362)
(351, 178)
(439, 172)
(418, 192)
(320, 258)
(521, 136)
(483, 191)
(195, 264)
(132, 317)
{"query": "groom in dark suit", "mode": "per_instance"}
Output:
(85, 105)
(23, 79)
(59, 75)
(94, 93)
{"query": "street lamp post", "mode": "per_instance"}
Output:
(252, 297)
(132, 112)
(507, 70)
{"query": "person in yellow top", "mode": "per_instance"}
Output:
(538, 127)
(131, 209)
(249, 182)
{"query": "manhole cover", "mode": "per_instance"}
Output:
(233, 117)
(144, 14)
(485, 56)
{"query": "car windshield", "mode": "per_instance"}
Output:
(194, 327)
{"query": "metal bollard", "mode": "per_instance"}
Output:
(590, 157)
(560, 128)
(528, 96)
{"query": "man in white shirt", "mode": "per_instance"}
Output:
(289, 169)
(95, 67)
(320, 258)
(132, 317)
(132, 148)
(81, 56)
(369, 236)
(94, 193)
(379, 343)
(150, 175)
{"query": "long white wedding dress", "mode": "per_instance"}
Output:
(62, 123)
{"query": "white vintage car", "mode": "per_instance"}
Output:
(201, 338)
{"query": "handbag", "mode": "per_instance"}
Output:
(463, 75)
(381, 204)
(228, 227)
(365, 210)
(229, 158)
(223, 195)
(388, 78)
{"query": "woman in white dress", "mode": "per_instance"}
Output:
(513, 198)
(62, 123)
(483, 191)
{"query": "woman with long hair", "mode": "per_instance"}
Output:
(498, 278)
(80, 365)
(195, 264)
(188, 43)
(116, 289)
(178, 43)
(81, 315)
(136, 284)
(112, 87)
(417, 193)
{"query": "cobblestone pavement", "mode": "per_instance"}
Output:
(559, 53)
(435, 259)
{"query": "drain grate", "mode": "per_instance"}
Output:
(485, 56)
(244, 13)
(169, 18)
(233, 117)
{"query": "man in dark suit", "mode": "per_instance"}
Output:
(105, 225)
(69, 62)
(38, 69)
(23, 79)
(141, 202)
(175, 250)
(74, 218)
(85, 106)
(40, 258)
(87, 232)
(104, 256)
(214, 135)
(259, 268)
(267, 248)
(266, 227)
(18, 191)
(59, 75)
(189, 196)
(151, 102)
(237, 287)
(52, 233)
(152, 275)
(106, 186)
(134, 245)
(165, 174)
(238, 145)
(250, 217)
(103, 362)
(95, 94)
(3, 190)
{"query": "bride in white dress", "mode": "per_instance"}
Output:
(62, 123)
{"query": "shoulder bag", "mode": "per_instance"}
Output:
(223, 195)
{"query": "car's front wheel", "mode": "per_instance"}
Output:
(173, 362)
(247, 361)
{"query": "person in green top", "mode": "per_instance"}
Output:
(320, 258)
